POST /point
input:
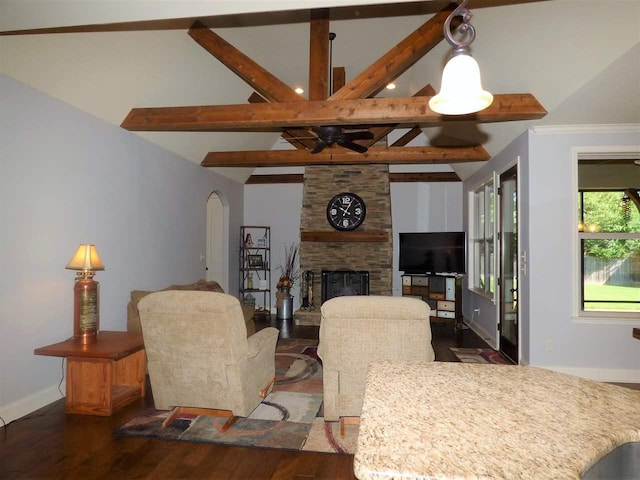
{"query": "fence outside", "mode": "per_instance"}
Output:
(622, 271)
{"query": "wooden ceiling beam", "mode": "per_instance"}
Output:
(423, 177)
(298, 137)
(340, 156)
(382, 131)
(397, 60)
(413, 111)
(261, 80)
(319, 54)
(400, 177)
(339, 78)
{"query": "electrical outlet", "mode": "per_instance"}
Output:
(549, 344)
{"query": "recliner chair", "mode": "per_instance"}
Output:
(199, 356)
(357, 330)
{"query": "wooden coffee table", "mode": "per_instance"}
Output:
(104, 376)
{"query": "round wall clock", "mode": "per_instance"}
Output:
(346, 211)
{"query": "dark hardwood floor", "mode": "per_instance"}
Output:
(48, 444)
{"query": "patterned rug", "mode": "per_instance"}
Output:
(479, 355)
(289, 418)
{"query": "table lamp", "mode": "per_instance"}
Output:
(86, 297)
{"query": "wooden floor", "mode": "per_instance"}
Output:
(49, 444)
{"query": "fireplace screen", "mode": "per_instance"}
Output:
(339, 283)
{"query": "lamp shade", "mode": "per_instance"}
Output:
(86, 258)
(461, 90)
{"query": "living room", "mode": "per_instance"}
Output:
(71, 176)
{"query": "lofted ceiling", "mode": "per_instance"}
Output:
(106, 67)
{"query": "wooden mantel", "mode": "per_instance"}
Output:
(335, 236)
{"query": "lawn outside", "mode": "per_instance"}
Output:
(611, 292)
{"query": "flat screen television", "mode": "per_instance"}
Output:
(433, 252)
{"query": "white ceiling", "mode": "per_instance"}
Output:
(580, 58)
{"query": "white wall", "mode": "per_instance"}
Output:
(601, 350)
(423, 207)
(68, 178)
(278, 207)
(415, 207)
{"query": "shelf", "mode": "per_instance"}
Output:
(354, 236)
(254, 267)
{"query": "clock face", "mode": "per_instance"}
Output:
(346, 211)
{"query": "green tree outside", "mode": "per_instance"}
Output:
(604, 210)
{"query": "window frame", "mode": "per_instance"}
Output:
(588, 235)
(579, 314)
(483, 217)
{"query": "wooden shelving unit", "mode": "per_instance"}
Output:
(255, 268)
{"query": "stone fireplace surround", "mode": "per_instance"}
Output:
(368, 248)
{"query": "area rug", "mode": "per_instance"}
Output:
(289, 418)
(479, 355)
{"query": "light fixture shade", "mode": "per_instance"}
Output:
(86, 258)
(461, 90)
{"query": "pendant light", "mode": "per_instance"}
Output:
(461, 91)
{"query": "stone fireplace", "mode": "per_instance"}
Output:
(368, 248)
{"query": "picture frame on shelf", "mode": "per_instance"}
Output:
(262, 242)
(255, 261)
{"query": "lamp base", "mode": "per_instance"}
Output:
(86, 312)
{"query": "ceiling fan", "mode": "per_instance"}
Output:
(331, 134)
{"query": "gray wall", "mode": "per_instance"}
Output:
(68, 178)
(552, 335)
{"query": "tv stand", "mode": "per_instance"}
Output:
(443, 293)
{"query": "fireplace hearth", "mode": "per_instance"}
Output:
(339, 283)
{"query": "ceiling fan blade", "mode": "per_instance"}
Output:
(352, 146)
(359, 135)
(319, 147)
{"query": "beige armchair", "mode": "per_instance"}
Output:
(199, 356)
(357, 330)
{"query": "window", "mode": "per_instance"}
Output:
(481, 239)
(609, 237)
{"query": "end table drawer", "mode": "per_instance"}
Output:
(419, 290)
(422, 281)
(446, 305)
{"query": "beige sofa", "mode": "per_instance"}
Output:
(199, 354)
(133, 314)
(357, 330)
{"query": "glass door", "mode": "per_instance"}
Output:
(508, 326)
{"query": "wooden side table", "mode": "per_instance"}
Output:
(104, 376)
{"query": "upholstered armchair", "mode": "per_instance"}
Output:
(357, 330)
(199, 356)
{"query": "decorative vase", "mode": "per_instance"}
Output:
(284, 310)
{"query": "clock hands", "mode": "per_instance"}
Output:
(345, 210)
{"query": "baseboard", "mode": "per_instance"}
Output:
(483, 334)
(26, 405)
(612, 375)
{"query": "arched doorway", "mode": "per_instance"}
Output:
(217, 261)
